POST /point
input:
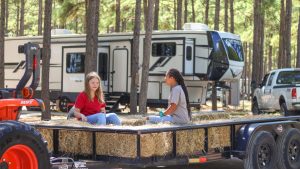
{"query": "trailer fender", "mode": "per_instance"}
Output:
(247, 131)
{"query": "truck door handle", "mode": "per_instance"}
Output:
(78, 80)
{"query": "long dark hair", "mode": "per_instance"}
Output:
(180, 81)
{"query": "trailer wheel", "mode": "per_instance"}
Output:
(261, 152)
(289, 147)
(22, 147)
(255, 108)
(63, 104)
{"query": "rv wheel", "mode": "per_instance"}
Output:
(22, 147)
(63, 104)
(289, 147)
(261, 152)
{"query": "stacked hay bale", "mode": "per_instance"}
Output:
(75, 142)
(48, 136)
(190, 142)
(116, 144)
(156, 144)
(219, 137)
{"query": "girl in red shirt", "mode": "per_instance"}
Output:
(90, 104)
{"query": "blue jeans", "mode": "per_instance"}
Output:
(103, 119)
(158, 119)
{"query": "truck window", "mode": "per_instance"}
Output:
(288, 77)
(75, 63)
(165, 49)
(264, 82)
(271, 79)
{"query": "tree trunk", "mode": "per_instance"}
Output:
(231, 16)
(175, 14)
(256, 41)
(22, 18)
(40, 17)
(288, 26)
(92, 36)
(18, 17)
(270, 57)
(261, 44)
(281, 56)
(206, 12)
(217, 15)
(145, 66)
(226, 16)
(46, 59)
(6, 16)
(118, 15)
(298, 44)
(145, 2)
(2, 25)
(193, 11)
(156, 15)
(179, 14)
(185, 17)
(135, 58)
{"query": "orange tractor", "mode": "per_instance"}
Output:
(21, 146)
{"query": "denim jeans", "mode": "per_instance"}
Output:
(103, 119)
(158, 119)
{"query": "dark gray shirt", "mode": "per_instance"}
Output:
(177, 96)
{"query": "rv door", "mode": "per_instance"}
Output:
(189, 57)
(73, 69)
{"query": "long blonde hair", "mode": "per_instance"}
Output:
(99, 91)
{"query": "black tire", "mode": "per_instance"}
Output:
(255, 108)
(63, 104)
(289, 147)
(14, 133)
(283, 109)
(261, 152)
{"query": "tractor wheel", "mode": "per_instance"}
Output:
(22, 147)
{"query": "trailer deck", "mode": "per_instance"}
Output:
(143, 146)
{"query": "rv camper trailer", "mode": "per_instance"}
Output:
(201, 54)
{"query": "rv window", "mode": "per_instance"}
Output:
(234, 49)
(103, 65)
(189, 53)
(166, 49)
(75, 63)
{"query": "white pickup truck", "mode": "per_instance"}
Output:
(279, 91)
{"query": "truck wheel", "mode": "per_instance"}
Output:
(289, 147)
(261, 152)
(283, 109)
(63, 104)
(22, 147)
(255, 108)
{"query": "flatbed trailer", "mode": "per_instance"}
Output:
(261, 143)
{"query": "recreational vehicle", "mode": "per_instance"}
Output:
(201, 54)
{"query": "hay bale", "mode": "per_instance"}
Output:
(116, 144)
(218, 137)
(156, 144)
(210, 116)
(134, 122)
(75, 142)
(48, 136)
(189, 142)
